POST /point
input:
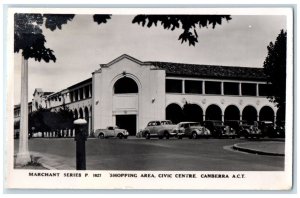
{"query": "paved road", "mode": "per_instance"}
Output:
(154, 154)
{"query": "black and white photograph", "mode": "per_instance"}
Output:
(151, 98)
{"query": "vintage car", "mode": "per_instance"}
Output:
(192, 130)
(219, 130)
(160, 129)
(111, 131)
(267, 128)
(244, 128)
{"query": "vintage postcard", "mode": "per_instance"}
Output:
(150, 98)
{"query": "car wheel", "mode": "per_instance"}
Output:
(194, 135)
(179, 137)
(167, 135)
(101, 136)
(120, 136)
(147, 135)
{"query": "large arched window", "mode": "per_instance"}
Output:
(125, 85)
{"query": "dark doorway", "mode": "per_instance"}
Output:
(266, 114)
(213, 112)
(174, 113)
(249, 114)
(192, 113)
(232, 113)
(127, 122)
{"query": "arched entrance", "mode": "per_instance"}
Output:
(266, 114)
(213, 112)
(80, 113)
(75, 114)
(87, 117)
(232, 113)
(249, 114)
(174, 113)
(193, 113)
(125, 104)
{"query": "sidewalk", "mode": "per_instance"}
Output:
(275, 148)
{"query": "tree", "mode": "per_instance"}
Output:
(188, 23)
(65, 116)
(275, 70)
(29, 38)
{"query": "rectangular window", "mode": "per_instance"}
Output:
(212, 87)
(264, 89)
(248, 89)
(81, 93)
(173, 86)
(193, 86)
(76, 95)
(91, 89)
(71, 96)
(231, 88)
(86, 91)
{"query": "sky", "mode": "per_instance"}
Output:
(82, 45)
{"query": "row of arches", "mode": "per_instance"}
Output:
(84, 113)
(193, 112)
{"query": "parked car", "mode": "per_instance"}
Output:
(267, 128)
(111, 131)
(219, 130)
(192, 130)
(160, 129)
(244, 128)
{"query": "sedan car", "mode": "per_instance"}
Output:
(218, 129)
(192, 130)
(160, 129)
(111, 131)
(244, 128)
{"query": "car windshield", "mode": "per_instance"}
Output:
(166, 122)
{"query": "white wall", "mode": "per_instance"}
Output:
(150, 99)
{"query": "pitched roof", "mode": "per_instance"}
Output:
(210, 71)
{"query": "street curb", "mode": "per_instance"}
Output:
(236, 147)
(47, 166)
(42, 163)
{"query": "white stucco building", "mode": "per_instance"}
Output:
(129, 93)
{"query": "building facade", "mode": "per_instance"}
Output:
(129, 93)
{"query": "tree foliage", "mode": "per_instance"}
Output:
(275, 69)
(29, 37)
(188, 23)
(46, 120)
(101, 18)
